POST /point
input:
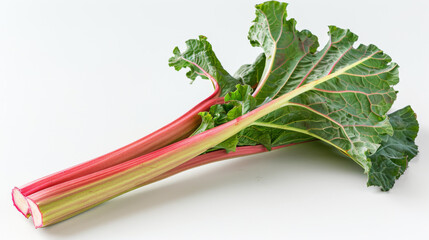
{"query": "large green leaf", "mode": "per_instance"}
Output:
(340, 94)
(348, 105)
(347, 109)
(351, 93)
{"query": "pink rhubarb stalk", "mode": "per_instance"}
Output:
(175, 131)
(64, 200)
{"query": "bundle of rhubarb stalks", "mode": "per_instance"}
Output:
(294, 92)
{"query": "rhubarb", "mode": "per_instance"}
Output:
(340, 95)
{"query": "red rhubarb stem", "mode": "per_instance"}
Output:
(173, 132)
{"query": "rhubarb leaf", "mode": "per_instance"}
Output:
(347, 106)
(391, 159)
(339, 94)
(202, 61)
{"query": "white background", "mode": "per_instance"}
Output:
(82, 78)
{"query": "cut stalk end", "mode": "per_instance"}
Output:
(36, 214)
(20, 202)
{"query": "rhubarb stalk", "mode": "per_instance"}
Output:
(176, 130)
(67, 199)
(181, 128)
